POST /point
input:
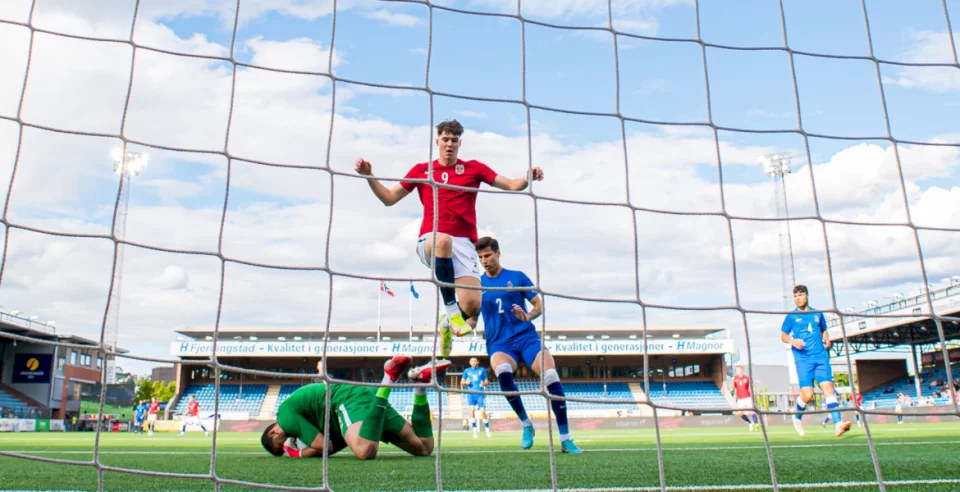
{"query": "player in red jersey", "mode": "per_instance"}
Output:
(152, 412)
(193, 416)
(859, 396)
(741, 385)
(456, 222)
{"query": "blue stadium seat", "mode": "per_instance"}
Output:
(232, 399)
(9, 403)
(695, 395)
(880, 399)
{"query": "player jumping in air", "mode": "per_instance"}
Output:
(512, 338)
(153, 412)
(475, 378)
(364, 415)
(741, 384)
(806, 331)
(193, 416)
(456, 222)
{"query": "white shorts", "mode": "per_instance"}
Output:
(152, 417)
(745, 402)
(192, 420)
(465, 262)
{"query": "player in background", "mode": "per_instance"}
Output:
(139, 415)
(859, 397)
(364, 415)
(512, 338)
(153, 412)
(456, 224)
(741, 385)
(193, 416)
(806, 331)
(475, 379)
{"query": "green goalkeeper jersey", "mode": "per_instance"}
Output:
(301, 414)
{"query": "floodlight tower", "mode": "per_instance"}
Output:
(777, 166)
(127, 165)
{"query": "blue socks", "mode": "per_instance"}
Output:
(559, 410)
(801, 406)
(832, 405)
(755, 420)
(507, 384)
(745, 418)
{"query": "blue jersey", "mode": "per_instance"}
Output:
(475, 376)
(808, 326)
(499, 322)
(141, 410)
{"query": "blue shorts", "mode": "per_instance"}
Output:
(809, 370)
(475, 400)
(524, 350)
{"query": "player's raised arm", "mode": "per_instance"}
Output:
(517, 184)
(388, 196)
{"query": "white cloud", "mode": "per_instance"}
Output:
(280, 216)
(927, 47)
(477, 115)
(393, 18)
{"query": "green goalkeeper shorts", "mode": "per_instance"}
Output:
(354, 409)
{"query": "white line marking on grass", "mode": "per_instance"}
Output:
(488, 451)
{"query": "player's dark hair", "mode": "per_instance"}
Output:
(267, 441)
(452, 127)
(800, 288)
(488, 242)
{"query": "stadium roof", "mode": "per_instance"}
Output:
(16, 325)
(309, 333)
(900, 323)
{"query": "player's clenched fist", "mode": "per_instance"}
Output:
(537, 174)
(363, 167)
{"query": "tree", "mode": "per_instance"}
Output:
(147, 389)
(841, 380)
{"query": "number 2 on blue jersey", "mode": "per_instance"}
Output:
(499, 305)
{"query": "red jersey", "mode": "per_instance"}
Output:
(154, 408)
(193, 408)
(742, 385)
(458, 208)
(859, 399)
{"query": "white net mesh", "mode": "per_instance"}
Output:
(321, 65)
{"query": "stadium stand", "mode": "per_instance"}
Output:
(700, 394)
(886, 395)
(231, 398)
(11, 405)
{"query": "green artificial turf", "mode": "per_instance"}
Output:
(723, 458)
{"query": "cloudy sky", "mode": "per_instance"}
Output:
(260, 94)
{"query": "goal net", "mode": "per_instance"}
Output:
(184, 170)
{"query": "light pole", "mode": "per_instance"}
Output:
(777, 166)
(127, 165)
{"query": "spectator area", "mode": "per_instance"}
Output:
(232, 399)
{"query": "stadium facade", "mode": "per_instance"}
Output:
(603, 365)
(41, 381)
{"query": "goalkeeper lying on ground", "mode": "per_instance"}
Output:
(364, 417)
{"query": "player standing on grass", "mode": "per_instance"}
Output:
(456, 222)
(475, 379)
(741, 385)
(364, 415)
(140, 414)
(512, 338)
(193, 416)
(806, 331)
(153, 412)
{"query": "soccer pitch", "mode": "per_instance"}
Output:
(911, 457)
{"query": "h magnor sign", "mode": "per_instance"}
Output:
(460, 348)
